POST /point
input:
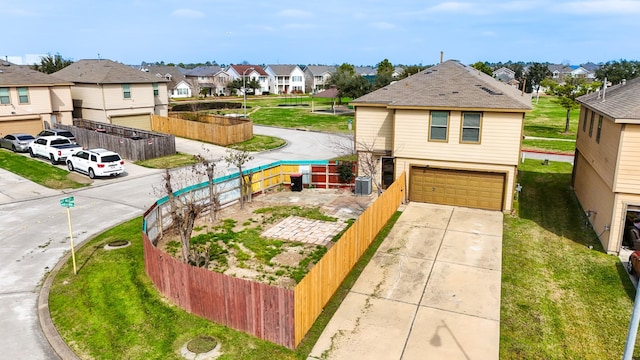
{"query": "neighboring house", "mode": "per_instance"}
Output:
(606, 175)
(504, 74)
(285, 79)
(367, 72)
(31, 100)
(250, 72)
(110, 92)
(591, 68)
(209, 80)
(178, 86)
(317, 77)
(455, 131)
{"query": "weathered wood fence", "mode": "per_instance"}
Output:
(275, 314)
(132, 144)
(219, 130)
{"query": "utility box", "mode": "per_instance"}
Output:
(363, 185)
(296, 182)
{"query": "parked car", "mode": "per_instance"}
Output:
(96, 162)
(55, 148)
(58, 132)
(633, 266)
(16, 142)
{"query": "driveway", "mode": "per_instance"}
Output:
(431, 291)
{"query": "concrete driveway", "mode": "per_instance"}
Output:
(431, 291)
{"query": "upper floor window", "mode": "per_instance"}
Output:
(263, 78)
(23, 95)
(296, 78)
(584, 120)
(156, 92)
(599, 131)
(4, 96)
(439, 126)
(471, 124)
(319, 78)
(126, 91)
(593, 115)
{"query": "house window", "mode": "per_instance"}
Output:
(156, 92)
(439, 126)
(584, 120)
(593, 115)
(23, 95)
(262, 78)
(126, 91)
(296, 78)
(4, 96)
(599, 131)
(471, 128)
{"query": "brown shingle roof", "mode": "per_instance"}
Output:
(449, 85)
(621, 102)
(22, 75)
(105, 72)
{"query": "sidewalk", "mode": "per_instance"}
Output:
(431, 291)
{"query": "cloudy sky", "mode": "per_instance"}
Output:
(322, 32)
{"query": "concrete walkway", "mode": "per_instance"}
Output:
(432, 291)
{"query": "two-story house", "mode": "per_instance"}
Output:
(454, 130)
(606, 176)
(114, 93)
(250, 72)
(285, 79)
(31, 100)
(317, 77)
(178, 86)
(209, 80)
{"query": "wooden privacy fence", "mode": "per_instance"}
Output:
(132, 144)
(275, 314)
(219, 130)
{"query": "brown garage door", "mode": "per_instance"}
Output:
(473, 189)
(133, 121)
(32, 127)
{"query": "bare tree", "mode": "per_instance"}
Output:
(184, 208)
(238, 158)
(369, 162)
(207, 166)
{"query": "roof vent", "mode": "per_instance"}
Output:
(491, 91)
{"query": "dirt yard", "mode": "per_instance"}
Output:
(276, 238)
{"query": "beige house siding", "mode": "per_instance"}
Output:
(499, 140)
(596, 196)
(374, 128)
(39, 102)
(602, 156)
(111, 95)
(628, 174)
(404, 164)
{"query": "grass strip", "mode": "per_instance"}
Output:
(37, 171)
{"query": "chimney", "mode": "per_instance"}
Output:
(441, 56)
(604, 89)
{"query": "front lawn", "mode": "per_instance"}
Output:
(37, 171)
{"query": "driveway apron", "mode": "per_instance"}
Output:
(431, 291)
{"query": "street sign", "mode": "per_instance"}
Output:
(67, 202)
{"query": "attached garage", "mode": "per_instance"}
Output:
(27, 126)
(133, 121)
(474, 189)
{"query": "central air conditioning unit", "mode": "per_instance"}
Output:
(363, 185)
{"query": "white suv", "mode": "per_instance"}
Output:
(96, 162)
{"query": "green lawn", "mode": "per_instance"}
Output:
(547, 120)
(37, 171)
(560, 299)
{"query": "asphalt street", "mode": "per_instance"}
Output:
(36, 233)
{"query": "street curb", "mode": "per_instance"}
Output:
(49, 330)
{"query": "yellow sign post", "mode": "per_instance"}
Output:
(69, 203)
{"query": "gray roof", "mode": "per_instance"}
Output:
(621, 102)
(282, 69)
(22, 75)
(318, 70)
(174, 79)
(204, 70)
(105, 71)
(450, 85)
(365, 70)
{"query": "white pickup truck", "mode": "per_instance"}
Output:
(55, 148)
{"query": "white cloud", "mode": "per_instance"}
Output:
(383, 25)
(294, 13)
(298, 26)
(599, 7)
(188, 13)
(452, 7)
